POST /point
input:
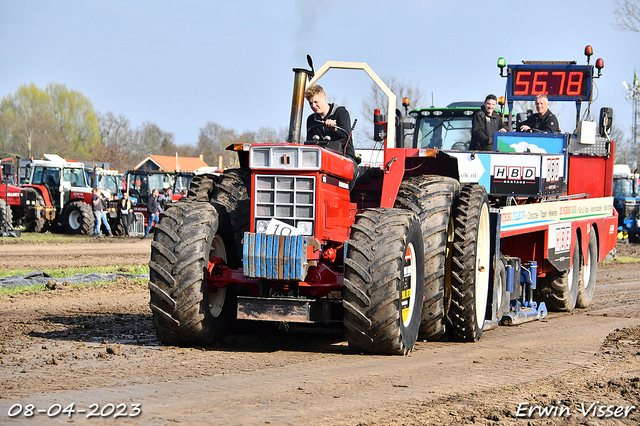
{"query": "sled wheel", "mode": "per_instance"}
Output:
(590, 269)
(185, 312)
(500, 289)
(77, 218)
(432, 198)
(560, 291)
(470, 264)
(384, 282)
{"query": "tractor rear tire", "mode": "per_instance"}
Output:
(384, 282)
(77, 218)
(470, 265)
(6, 215)
(559, 291)
(185, 312)
(432, 198)
(590, 270)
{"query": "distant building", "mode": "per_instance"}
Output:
(170, 163)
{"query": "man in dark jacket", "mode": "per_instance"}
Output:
(330, 121)
(153, 213)
(544, 121)
(484, 123)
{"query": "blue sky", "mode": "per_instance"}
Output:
(180, 64)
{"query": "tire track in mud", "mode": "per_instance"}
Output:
(336, 387)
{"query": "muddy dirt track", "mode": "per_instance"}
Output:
(98, 346)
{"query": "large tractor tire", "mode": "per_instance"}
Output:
(470, 265)
(587, 284)
(432, 198)
(384, 282)
(560, 291)
(185, 311)
(35, 223)
(6, 216)
(231, 197)
(77, 218)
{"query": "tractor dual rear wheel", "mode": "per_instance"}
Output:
(432, 198)
(470, 265)
(384, 282)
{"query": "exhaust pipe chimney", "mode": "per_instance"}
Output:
(297, 103)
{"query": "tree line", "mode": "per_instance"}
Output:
(58, 120)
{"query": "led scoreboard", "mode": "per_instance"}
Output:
(560, 82)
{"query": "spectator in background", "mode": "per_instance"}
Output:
(125, 208)
(99, 213)
(153, 212)
(166, 198)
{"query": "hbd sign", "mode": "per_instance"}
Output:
(514, 173)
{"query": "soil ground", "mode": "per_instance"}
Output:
(98, 346)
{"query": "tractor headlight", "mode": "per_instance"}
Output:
(261, 226)
(305, 228)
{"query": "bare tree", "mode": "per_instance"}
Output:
(627, 13)
(378, 100)
(212, 142)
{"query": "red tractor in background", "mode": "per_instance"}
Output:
(434, 244)
(63, 192)
(19, 206)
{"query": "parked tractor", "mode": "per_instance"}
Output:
(25, 209)
(63, 192)
(141, 183)
(627, 202)
(437, 243)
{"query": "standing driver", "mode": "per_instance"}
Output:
(324, 124)
(543, 121)
(484, 123)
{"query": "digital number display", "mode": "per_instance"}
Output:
(564, 82)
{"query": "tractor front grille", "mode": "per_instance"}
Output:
(290, 199)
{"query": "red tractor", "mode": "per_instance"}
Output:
(433, 244)
(18, 206)
(63, 192)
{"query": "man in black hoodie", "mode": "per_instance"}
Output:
(484, 123)
(544, 121)
(330, 121)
